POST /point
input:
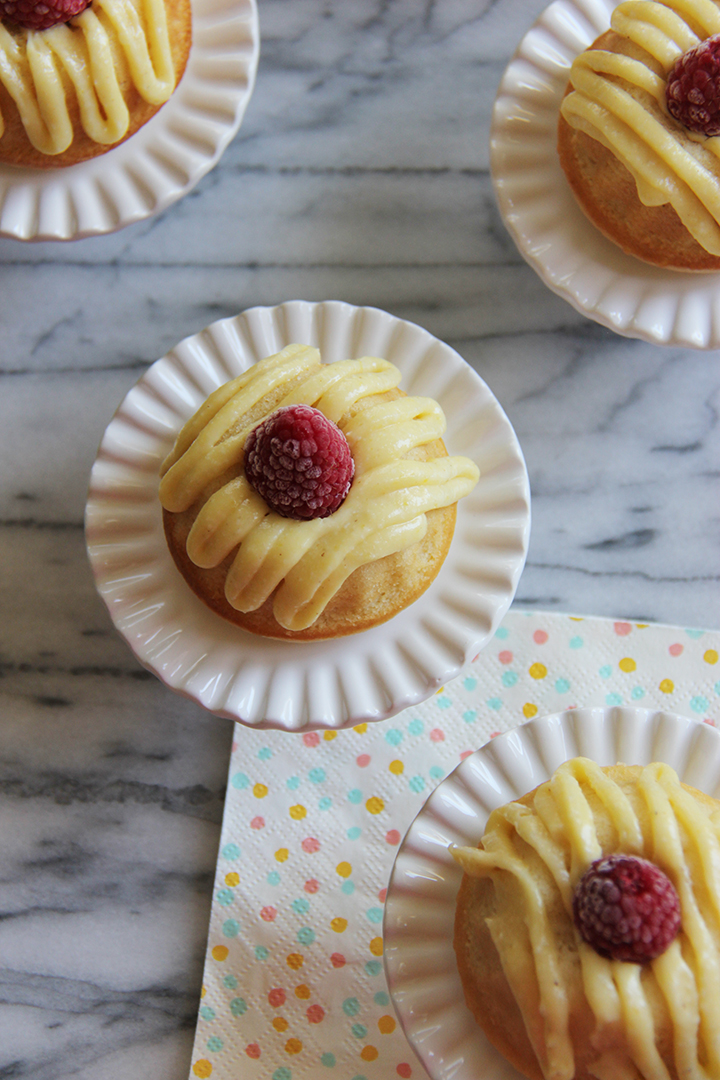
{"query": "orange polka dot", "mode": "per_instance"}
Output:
(295, 961)
(202, 1068)
(386, 1025)
(369, 1053)
(220, 952)
(344, 869)
(710, 657)
(298, 812)
(328, 736)
(360, 728)
(339, 925)
(232, 879)
(529, 710)
(280, 1023)
(376, 946)
(260, 791)
(282, 854)
(396, 767)
(374, 805)
(667, 686)
(537, 671)
(302, 991)
(627, 664)
(293, 1046)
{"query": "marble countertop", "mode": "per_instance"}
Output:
(361, 174)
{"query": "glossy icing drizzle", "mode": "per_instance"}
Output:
(307, 561)
(674, 831)
(619, 100)
(32, 66)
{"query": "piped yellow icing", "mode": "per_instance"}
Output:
(32, 66)
(619, 100)
(563, 829)
(307, 561)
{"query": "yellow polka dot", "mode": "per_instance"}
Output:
(280, 1023)
(338, 925)
(281, 854)
(360, 728)
(344, 869)
(537, 671)
(642, 625)
(440, 690)
(575, 618)
(295, 960)
(328, 736)
(203, 992)
(202, 1068)
(376, 946)
(260, 791)
(710, 657)
(293, 1046)
(667, 686)
(529, 710)
(374, 805)
(232, 879)
(386, 1025)
(302, 991)
(220, 952)
(368, 1053)
(298, 812)
(396, 767)
(627, 664)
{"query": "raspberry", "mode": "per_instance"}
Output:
(692, 91)
(300, 462)
(40, 14)
(626, 908)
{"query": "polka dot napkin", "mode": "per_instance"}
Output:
(293, 985)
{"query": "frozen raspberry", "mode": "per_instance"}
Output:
(626, 908)
(40, 14)
(692, 90)
(300, 462)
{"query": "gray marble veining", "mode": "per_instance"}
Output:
(360, 173)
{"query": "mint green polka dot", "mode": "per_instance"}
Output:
(436, 773)
(373, 967)
(695, 633)
(207, 1013)
(354, 833)
(238, 1006)
(231, 982)
(470, 683)
(416, 727)
(417, 783)
(261, 953)
(470, 716)
(225, 897)
(359, 1031)
(230, 851)
(265, 753)
(381, 998)
(443, 702)
(214, 1044)
(576, 642)
(240, 780)
(317, 775)
(301, 906)
(394, 736)
(494, 703)
(325, 803)
(637, 693)
(355, 796)
(348, 887)
(699, 703)
(351, 1006)
(306, 935)
(328, 1059)
(562, 686)
(613, 699)
(374, 914)
(605, 671)
(273, 878)
(231, 928)
(509, 678)
(293, 783)
(502, 632)
(282, 1074)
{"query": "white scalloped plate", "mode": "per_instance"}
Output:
(162, 161)
(571, 256)
(420, 907)
(297, 685)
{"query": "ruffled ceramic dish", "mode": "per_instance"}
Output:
(551, 232)
(295, 685)
(420, 907)
(162, 161)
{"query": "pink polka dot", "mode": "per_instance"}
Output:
(494, 734)
(392, 836)
(707, 720)
(622, 629)
(315, 1014)
(540, 637)
(382, 896)
(312, 885)
(268, 914)
(252, 1050)
(436, 735)
(234, 747)
(404, 1070)
(363, 760)
(276, 997)
(337, 960)
(257, 823)
(676, 649)
(465, 753)
(505, 657)
(311, 738)
(310, 845)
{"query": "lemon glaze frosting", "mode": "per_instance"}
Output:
(32, 63)
(619, 100)
(665, 824)
(305, 562)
